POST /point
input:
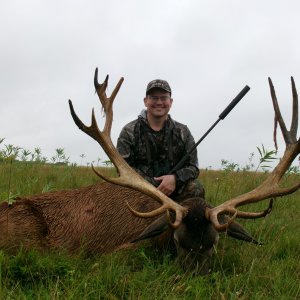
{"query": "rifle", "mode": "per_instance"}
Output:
(222, 116)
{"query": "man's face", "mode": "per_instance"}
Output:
(158, 103)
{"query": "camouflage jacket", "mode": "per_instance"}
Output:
(154, 154)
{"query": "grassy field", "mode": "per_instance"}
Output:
(241, 270)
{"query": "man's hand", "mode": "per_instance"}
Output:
(167, 184)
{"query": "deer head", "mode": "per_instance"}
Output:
(195, 223)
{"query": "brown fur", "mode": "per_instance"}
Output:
(94, 219)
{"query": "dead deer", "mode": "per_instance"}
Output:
(95, 218)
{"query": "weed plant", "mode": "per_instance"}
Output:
(240, 270)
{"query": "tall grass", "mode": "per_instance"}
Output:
(241, 270)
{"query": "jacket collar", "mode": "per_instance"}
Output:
(143, 117)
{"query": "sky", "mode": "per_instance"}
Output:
(207, 51)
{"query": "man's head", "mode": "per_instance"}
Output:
(158, 98)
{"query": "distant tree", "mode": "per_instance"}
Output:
(108, 163)
(25, 154)
(38, 154)
(82, 157)
(60, 155)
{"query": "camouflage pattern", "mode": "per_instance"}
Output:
(193, 188)
(153, 154)
(158, 83)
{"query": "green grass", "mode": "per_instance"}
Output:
(241, 270)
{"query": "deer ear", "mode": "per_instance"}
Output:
(156, 228)
(236, 231)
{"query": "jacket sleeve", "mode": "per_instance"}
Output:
(190, 169)
(125, 144)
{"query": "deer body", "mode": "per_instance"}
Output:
(93, 219)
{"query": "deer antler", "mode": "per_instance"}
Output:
(127, 176)
(270, 187)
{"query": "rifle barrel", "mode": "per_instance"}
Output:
(222, 116)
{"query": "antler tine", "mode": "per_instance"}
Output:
(213, 216)
(127, 176)
(270, 187)
(107, 103)
(88, 130)
(278, 116)
(294, 124)
(179, 214)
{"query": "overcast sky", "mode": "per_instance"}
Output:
(207, 51)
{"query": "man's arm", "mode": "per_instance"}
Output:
(125, 144)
